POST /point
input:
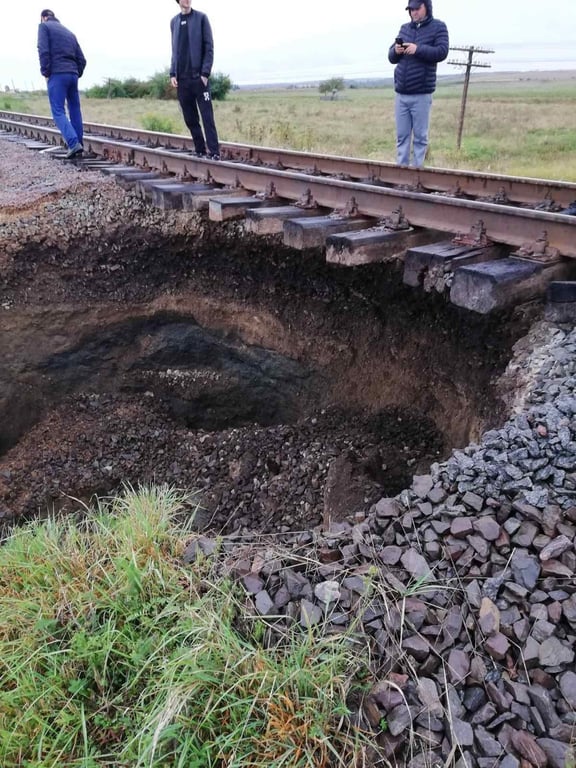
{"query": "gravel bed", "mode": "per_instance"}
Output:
(464, 587)
(27, 177)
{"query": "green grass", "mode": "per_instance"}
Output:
(158, 124)
(9, 103)
(516, 125)
(113, 653)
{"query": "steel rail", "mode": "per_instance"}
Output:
(518, 190)
(503, 224)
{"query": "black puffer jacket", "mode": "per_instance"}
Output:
(59, 50)
(417, 74)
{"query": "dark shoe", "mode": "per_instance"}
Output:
(74, 151)
(213, 157)
(200, 154)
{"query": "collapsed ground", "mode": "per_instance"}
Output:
(147, 346)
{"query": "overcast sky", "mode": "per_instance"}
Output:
(266, 41)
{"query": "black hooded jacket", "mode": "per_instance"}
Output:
(417, 74)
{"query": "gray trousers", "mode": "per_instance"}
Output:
(412, 121)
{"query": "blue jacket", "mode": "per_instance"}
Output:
(417, 74)
(201, 44)
(59, 50)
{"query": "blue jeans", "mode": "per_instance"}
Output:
(412, 121)
(63, 91)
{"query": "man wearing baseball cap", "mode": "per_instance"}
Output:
(421, 44)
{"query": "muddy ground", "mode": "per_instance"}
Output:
(141, 346)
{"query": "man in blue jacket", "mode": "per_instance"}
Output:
(420, 45)
(190, 68)
(62, 63)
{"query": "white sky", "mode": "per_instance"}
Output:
(265, 41)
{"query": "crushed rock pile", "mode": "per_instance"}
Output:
(463, 587)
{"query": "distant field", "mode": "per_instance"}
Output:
(522, 124)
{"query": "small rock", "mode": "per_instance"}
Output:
(497, 646)
(526, 746)
(489, 618)
(553, 653)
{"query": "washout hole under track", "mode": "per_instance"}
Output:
(287, 391)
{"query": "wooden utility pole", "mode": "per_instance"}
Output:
(471, 49)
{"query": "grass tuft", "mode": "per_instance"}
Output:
(158, 123)
(114, 653)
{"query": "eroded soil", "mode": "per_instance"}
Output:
(147, 346)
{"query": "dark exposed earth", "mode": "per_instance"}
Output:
(144, 346)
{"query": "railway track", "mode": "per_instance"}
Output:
(541, 194)
(361, 210)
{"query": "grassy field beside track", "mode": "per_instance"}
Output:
(523, 124)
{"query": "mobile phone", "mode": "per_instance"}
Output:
(399, 41)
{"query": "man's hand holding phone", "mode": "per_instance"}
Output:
(399, 45)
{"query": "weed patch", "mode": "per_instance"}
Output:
(158, 124)
(114, 653)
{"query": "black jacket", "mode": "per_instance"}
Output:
(59, 50)
(201, 44)
(417, 74)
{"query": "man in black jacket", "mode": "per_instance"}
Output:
(192, 59)
(420, 45)
(62, 63)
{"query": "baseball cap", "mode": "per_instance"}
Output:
(413, 4)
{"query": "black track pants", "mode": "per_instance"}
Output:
(194, 98)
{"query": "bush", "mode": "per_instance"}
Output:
(158, 124)
(136, 89)
(159, 86)
(220, 85)
(111, 89)
(156, 87)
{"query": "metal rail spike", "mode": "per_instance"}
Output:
(476, 238)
